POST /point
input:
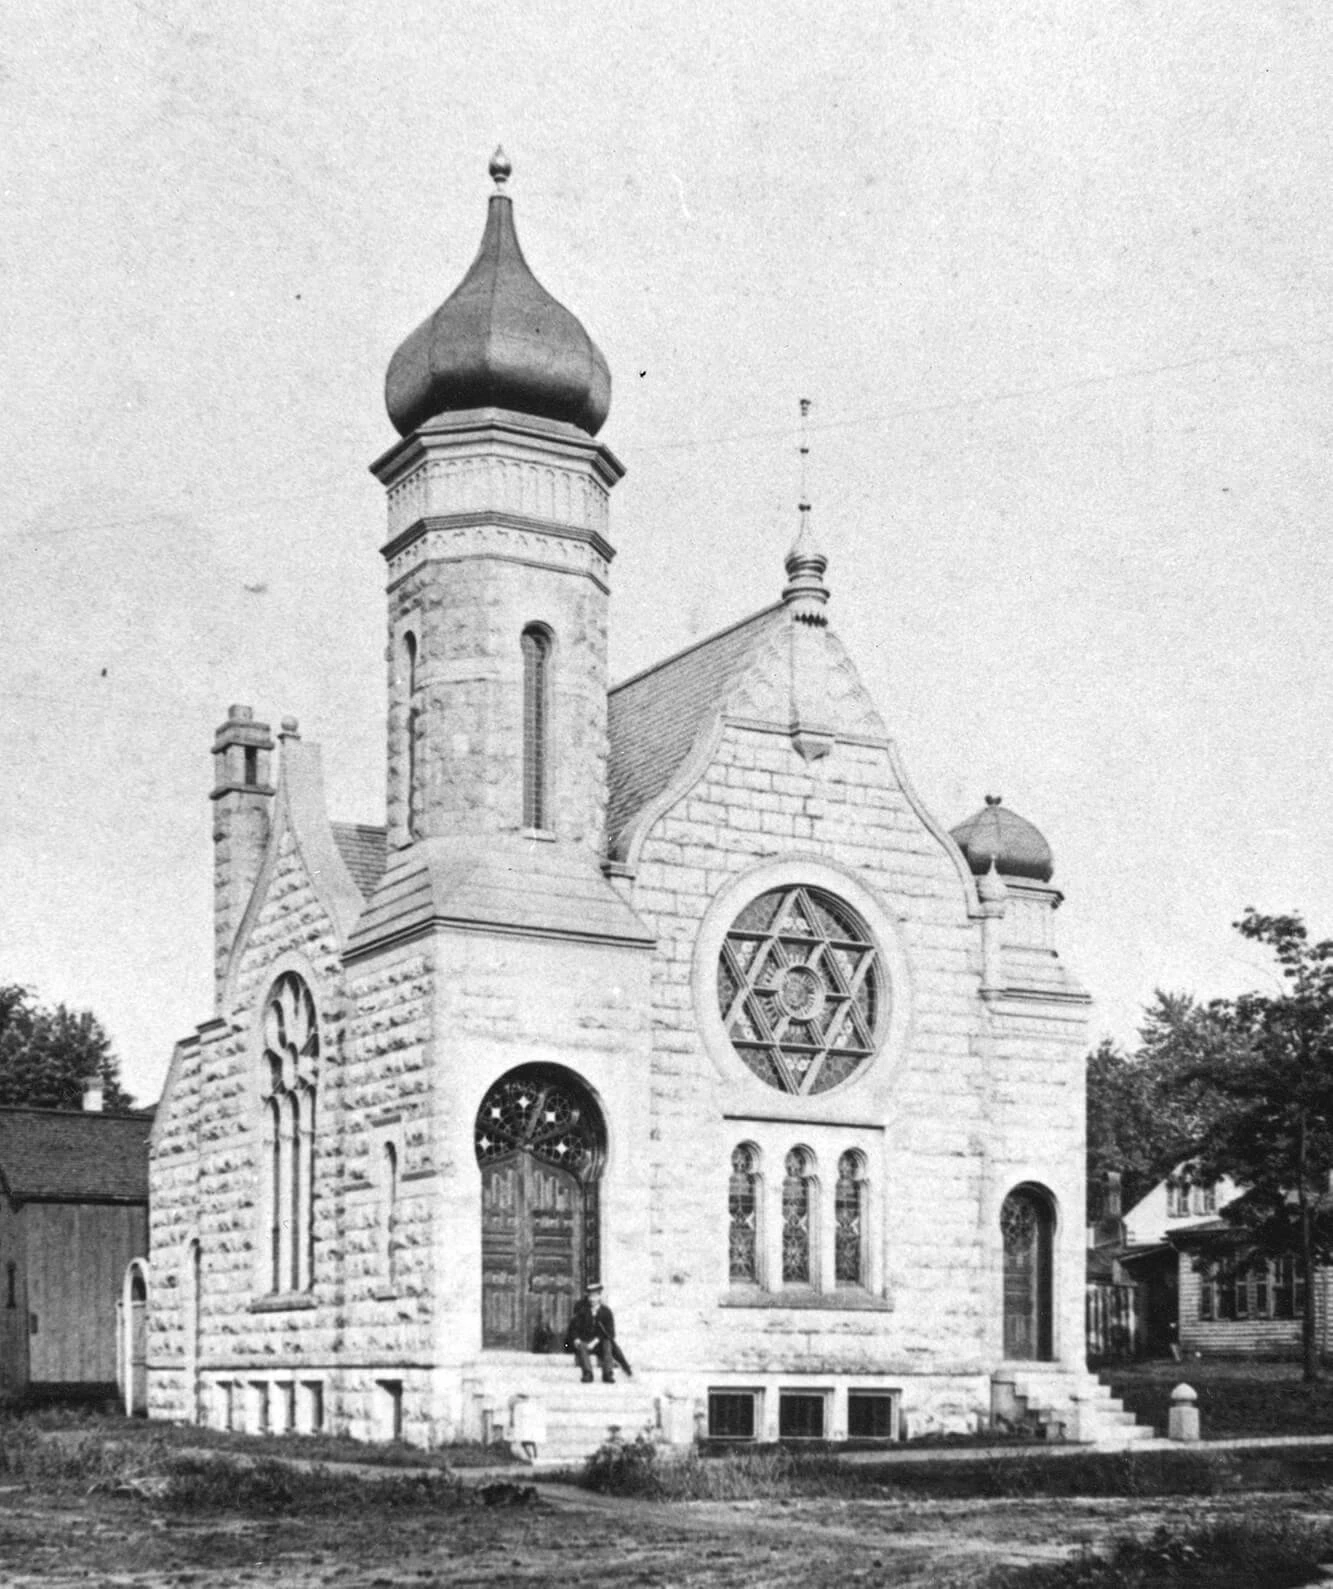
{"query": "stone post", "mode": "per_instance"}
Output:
(1184, 1420)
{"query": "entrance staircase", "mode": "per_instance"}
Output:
(579, 1417)
(1055, 1405)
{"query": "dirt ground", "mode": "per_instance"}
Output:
(571, 1537)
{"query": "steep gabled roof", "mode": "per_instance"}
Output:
(655, 717)
(364, 850)
(74, 1156)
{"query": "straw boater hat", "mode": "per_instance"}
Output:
(595, 1286)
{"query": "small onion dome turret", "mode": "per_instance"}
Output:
(499, 341)
(1001, 838)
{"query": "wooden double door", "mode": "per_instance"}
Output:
(539, 1150)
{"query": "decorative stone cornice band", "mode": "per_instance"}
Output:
(501, 536)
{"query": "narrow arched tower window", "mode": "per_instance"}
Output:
(536, 726)
(412, 730)
(390, 1210)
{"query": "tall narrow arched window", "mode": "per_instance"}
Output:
(849, 1222)
(290, 1065)
(743, 1216)
(390, 1210)
(412, 730)
(536, 726)
(798, 1223)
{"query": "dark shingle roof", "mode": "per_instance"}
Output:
(54, 1153)
(363, 850)
(655, 717)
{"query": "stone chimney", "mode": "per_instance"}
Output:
(93, 1095)
(242, 814)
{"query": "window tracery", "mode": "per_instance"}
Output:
(290, 1061)
(849, 1247)
(541, 1116)
(797, 1218)
(743, 1215)
(800, 989)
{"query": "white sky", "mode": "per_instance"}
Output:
(1056, 276)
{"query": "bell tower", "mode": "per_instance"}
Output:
(498, 560)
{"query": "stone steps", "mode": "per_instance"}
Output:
(579, 1417)
(1075, 1407)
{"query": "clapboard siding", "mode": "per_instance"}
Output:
(77, 1254)
(1260, 1337)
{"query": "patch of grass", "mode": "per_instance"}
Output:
(1236, 1399)
(1248, 1553)
(780, 1473)
(64, 1423)
(266, 1488)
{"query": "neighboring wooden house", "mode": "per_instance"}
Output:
(73, 1213)
(1205, 1296)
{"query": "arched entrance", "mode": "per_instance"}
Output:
(1027, 1224)
(540, 1143)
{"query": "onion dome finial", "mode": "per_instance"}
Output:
(805, 591)
(999, 838)
(500, 340)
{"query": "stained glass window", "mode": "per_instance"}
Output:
(800, 989)
(797, 1220)
(743, 1215)
(849, 1222)
(291, 1049)
(536, 665)
(540, 1115)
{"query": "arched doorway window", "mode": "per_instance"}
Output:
(1027, 1224)
(540, 1144)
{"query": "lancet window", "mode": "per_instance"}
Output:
(289, 1070)
(743, 1216)
(798, 1200)
(412, 730)
(536, 645)
(849, 1222)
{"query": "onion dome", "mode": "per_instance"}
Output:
(1001, 838)
(499, 341)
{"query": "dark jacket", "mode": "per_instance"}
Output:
(590, 1324)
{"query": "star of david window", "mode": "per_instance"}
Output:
(800, 989)
(538, 1116)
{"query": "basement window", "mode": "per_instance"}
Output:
(801, 1414)
(731, 1414)
(872, 1414)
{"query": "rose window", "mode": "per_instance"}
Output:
(539, 1116)
(800, 989)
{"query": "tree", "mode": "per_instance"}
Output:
(48, 1055)
(1269, 1070)
(1148, 1110)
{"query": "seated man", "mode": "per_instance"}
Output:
(592, 1333)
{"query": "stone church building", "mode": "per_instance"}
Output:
(673, 985)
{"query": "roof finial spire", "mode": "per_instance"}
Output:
(805, 591)
(500, 168)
